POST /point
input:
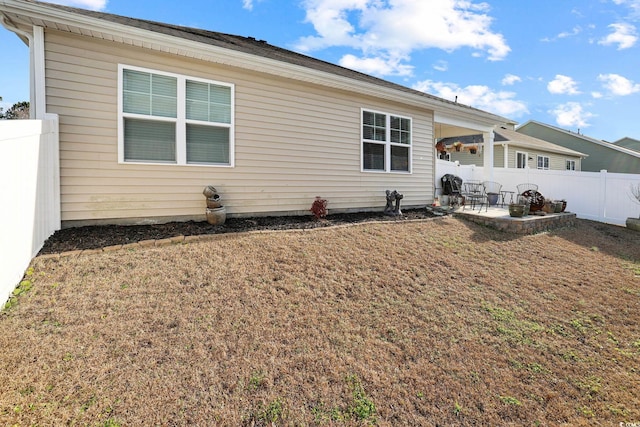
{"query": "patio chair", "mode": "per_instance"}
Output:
(474, 194)
(492, 190)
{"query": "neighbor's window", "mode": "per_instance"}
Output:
(386, 142)
(543, 162)
(570, 165)
(521, 160)
(169, 118)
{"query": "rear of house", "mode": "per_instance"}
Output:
(152, 113)
(278, 142)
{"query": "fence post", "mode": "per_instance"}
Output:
(602, 196)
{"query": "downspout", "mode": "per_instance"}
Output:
(37, 103)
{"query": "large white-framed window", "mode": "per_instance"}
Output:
(521, 159)
(570, 165)
(171, 118)
(386, 142)
(543, 162)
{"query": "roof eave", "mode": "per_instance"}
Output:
(40, 15)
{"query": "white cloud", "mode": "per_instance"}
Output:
(502, 103)
(85, 4)
(571, 114)
(377, 66)
(574, 32)
(394, 29)
(634, 5)
(596, 95)
(247, 4)
(441, 66)
(564, 85)
(510, 79)
(624, 35)
(618, 85)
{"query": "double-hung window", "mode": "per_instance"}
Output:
(543, 162)
(386, 142)
(570, 165)
(170, 118)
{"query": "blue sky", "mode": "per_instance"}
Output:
(569, 63)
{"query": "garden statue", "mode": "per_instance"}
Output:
(389, 208)
(216, 213)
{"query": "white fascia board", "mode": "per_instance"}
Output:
(468, 122)
(482, 121)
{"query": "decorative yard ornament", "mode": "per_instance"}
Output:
(389, 208)
(216, 213)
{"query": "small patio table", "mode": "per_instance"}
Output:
(504, 193)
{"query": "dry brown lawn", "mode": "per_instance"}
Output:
(435, 322)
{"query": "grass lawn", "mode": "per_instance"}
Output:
(435, 322)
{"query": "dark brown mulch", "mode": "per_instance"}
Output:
(100, 236)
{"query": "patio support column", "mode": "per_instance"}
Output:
(36, 50)
(487, 152)
(506, 155)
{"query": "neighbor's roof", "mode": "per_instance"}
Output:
(598, 142)
(248, 45)
(525, 141)
(630, 143)
(512, 138)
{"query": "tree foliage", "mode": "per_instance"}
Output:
(18, 110)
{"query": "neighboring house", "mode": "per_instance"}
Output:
(601, 155)
(630, 143)
(151, 113)
(511, 150)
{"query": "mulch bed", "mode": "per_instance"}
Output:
(100, 236)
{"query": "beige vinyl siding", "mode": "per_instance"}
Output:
(556, 161)
(466, 158)
(293, 141)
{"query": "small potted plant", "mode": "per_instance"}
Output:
(549, 205)
(319, 208)
(634, 193)
(519, 209)
(558, 205)
(564, 205)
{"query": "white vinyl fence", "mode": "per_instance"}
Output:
(599, 196)
(30, 194)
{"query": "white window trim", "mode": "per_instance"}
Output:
(540, 156)
(181, 120)
(526, 159)
(570, 161)
(387, 144)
